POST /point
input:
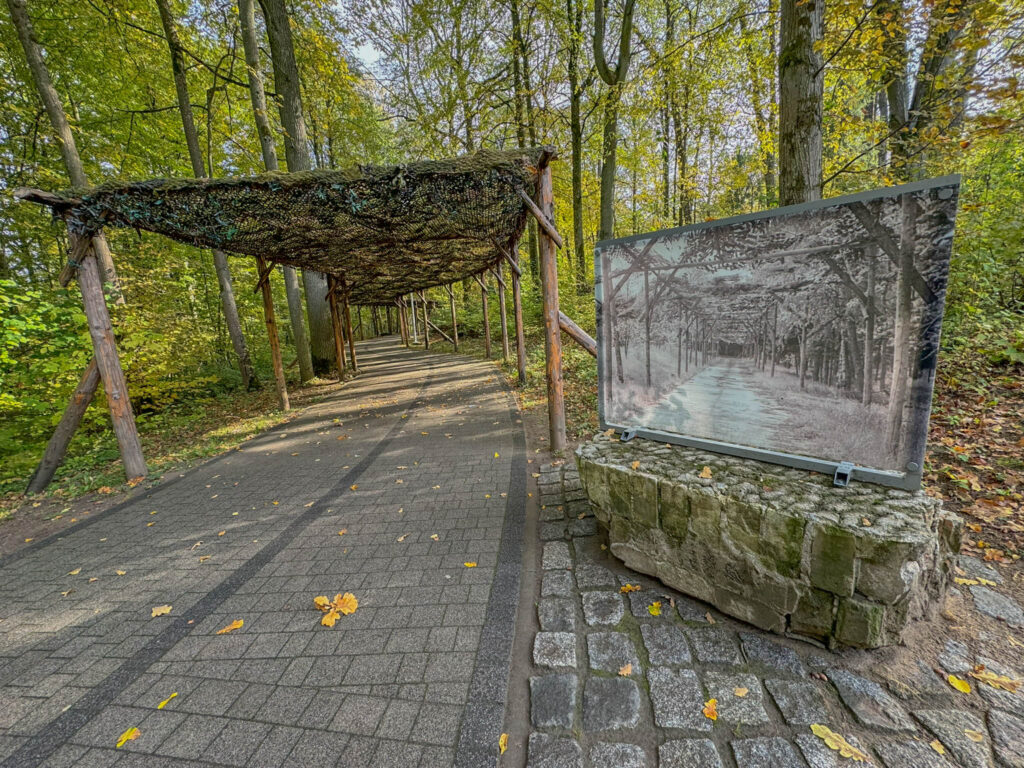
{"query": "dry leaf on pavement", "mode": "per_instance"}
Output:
(836, 742)
(711, 709)
(236, 624)
(161, 610)
(130, 735)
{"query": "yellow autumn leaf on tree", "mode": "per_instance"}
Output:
(706, 473)
(166, 701)
(502, 743)
(836, 742)
(654, 608)
(626, 671)
(236, 624)
(130, 735)
(627, 588)
(961, 685)
(937, 746)
(161, 610)
(996, 681)
(711, 709)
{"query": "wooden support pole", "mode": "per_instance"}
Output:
(348, 324)
(402, 329)
(543, 219)
(576, 333)
(339, 340)
(552, 337)
(275, 344)
(487, 319)
(426, 322)
(501, 310)
(455, 322)
(109, 362)
(517, 311)
(359, 317)
(61, 438)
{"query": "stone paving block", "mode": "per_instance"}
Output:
(665, 644)
(974, 568)
(553, 701)
(273, 751)
(191, 738)
(556, 614)
(391, 754)
(610, 703)
(714, 645)
(999, 699)
(556, 556)
(818, 755)
(399, 718)
(689, 753)
(732, 708)
(589, 576)
(602, 608)
(552, 531)
(951, 728)
(554, 752)
(761, 650)
(640, 601)
(582, 528)
(771, 752)
(359, 715)
(678, 699)
(554, 649)
(438, 724)
(556, 584)
(955, 658)
(903, 754)
(1007, 737)
(611, 651)
(870, 704)
(605, 755)
(800, 703)
(998, 606)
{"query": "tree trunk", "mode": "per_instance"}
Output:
(902, 340)
(258, 97)
(801, 84)
(869, 329)
(574, 13)
(296, 150)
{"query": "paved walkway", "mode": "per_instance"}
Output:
(386, 491)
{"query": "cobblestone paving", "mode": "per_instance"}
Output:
(615, 686)
(387, 491)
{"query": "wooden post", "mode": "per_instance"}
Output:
(426, 322)
(501, 309)
(348, 324)
(487, 319)
(108, 361)
(275, 344)
(517, 311)
(415, 332)
(455, 322)
(61, 438)
(339, 341)
(552, 337)
(401, 322)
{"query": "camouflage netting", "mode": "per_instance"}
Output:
(388, 230)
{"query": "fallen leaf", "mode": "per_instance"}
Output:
(711, 709)
(434, 536)
(120, 573)
(161, 610)
(627, 588)
(93, 579)
(961, 685)
(975, 736)
(402, 537)
(308, 505)
(343, 531)
(496, 455)
(996, 681)
(28, 540)
(635, 464)
(654, 608)
(836, 742)
(65, 594)
(75, 572)
(709, 617)
(221, 533)
(626, 670)
(150, 525)
(865, 522)
(204, 558)
(502, 743)
(966, 582)
(741, 692)
(470, 565)
(330, 618)
(937, 746)
(353, 487)
(986, 582)
(236, 624)
(706, 473)
(130, 735)
(166, 701)
(345, 604)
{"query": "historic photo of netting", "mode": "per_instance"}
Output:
(811, 330)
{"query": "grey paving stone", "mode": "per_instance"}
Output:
(974, 568)
(190, 739)
(1007, 737)
(665, 644)
(589, 576)
(772, 752)
(951, 727)
(235, 744)
(639, 602)
(602, 608)
(610, 703)
(998, 606)
(955, 658)
(870, 704)
(552, 531)
(606, 755)
(438, 724)
(392, 754)
(274, 749)
(800, 703)
(553, 700)
(556, 584)
(678, 699)
(691, 610)
(556, 556)
(818, 755)
(689, 753)
(999, 699)
(903, 754)
(554, 649)
(554, 752)
(556, 614)
(359, 715)
(585, 527)
(733, 709)
(611, 651)
(714, 645)
(761, 650)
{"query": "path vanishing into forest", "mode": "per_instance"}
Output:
(719, 403)
(390, 490)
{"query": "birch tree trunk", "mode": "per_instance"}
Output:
(801, 84)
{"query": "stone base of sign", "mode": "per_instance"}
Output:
(780, 548)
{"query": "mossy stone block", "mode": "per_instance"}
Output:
(814, 614)
(634, 495)
(674, 509)
(705, 516)
(782, 541)
(860, 623)
(831, 559)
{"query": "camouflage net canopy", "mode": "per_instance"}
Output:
(387, 230)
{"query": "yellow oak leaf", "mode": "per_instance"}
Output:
(741, 692)
(28, 540)
(236, 624)
(161, 610)
(654, 608)
(502, 743)
(937, 746)
(966, 582)
(470, 565)
(711, 709)
(75, 572)
(706, 473)
(345, 604)
(321, 602)
(627, 588)
(329, 618)
(975, 736)
(166, 701)
(130, 735)
(626, 671)
(961, 685)
(996, 681)
(839, 744)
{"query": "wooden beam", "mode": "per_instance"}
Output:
(577, 334)
(501, 311)
(542, 219)
(487, 318)
(455, 322)
(264, 274)
(509, 260)
(53, 456)
(109, 362)
(444, 335)
(339, 339)
(79, 247)
(552, 338)
(275, 344)
(348, 323)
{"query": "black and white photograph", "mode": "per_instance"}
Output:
(811, 330)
